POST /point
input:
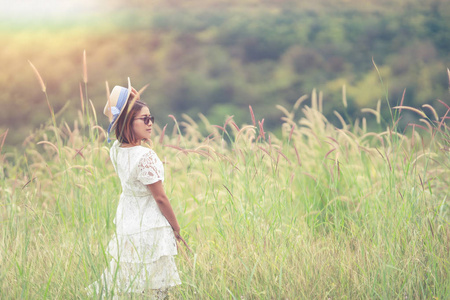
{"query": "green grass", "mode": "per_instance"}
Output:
(319, 212)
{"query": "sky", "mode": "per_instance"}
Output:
(39, 9)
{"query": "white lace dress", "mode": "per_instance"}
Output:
(144, 244)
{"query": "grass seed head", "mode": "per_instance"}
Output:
(411, 109)
(85, 76)
(344, 96)
(41, 82)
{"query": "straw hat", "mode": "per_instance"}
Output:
(116, 103)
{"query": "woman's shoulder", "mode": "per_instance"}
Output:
(146, 152)
(115, 147)
(135, 151)
(113, 151)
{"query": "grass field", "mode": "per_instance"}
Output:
(318, 212)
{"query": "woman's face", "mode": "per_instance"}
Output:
(142, 131)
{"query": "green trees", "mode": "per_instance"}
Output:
(215, 58)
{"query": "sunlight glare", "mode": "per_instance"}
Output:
(20, 9)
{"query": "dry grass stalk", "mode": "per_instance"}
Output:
(291, 132)
(174, 147)
(367, 150)
(81, 118)
(425, 155)
(374, 135)
(252, 114)
(100, 129)
(82, 98)
(3, 136)
(282, 154)
(401, 101)
(334, 140)
(208, 147)
(87, 168)
(356, 125)
(306, 122)
(161, 137)
(93, 110)
(314, 99)
(190, 120)
(443, 103)
(220, 127)
(50, 144)
(201, 152)
(443, 119)
(228, 121)
(448, 73)
(204, 120)
(41, 82)
(436, 117)
(430, 129)
(411, 109)
(321, 101)
(136, 96)
(341, 119)
(267, 152)
(142, 90)
(235, 126)
(85, 76)
(78, 152)
(372, 111)
(344, 95)
(309, 175)
(28, 183)
(285, 111)
(249, 128)
(379, 111)
(108, 112)
(298, 156)
(173, 118)
(412, 135)
(329, 152)
(299, 101)
(288, 121)
(262, 134)
(349, 136)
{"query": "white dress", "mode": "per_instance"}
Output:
(144, 244)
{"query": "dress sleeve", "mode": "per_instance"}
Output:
(150, 168)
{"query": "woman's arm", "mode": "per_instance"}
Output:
(161, 199)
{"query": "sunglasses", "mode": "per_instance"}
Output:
(147, 119)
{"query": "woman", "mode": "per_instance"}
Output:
(144, 244)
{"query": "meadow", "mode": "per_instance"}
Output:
(317, 212)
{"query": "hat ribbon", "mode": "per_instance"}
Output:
(115, 110)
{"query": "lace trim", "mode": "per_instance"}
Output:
(136, 278)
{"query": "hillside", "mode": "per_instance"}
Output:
(218, 57)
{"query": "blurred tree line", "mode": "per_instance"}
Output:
(218, 57)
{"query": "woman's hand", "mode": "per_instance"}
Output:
(177, 235)
(180, 239)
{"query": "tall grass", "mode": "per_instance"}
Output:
(319, 212)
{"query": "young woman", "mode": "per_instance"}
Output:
(144, 243)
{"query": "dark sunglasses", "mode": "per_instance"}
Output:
(147, 119)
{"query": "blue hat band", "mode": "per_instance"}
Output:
(115, 110)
